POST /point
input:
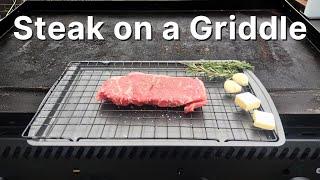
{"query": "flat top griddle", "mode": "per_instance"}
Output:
(70, 114)
(288, 69)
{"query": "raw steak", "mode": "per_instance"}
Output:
(160, 90)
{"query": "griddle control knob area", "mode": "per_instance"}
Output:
(76, 172)
(299, 178)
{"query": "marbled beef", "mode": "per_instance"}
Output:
(148, 89)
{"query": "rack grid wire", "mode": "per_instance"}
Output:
(71, 111)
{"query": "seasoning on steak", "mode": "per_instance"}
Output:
(148, 89)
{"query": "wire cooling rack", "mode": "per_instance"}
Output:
(70, 114)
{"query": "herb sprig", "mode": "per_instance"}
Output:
(218, 69)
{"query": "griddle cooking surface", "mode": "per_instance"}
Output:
(71, 115)
(286, 68)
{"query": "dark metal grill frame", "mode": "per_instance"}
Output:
(70, 115)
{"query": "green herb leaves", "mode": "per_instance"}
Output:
(218, 68)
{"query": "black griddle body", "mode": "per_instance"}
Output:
(23, 89)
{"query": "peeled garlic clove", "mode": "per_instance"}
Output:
(241, 79)
(232, 87)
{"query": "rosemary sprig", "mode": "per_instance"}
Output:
(218, 69)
